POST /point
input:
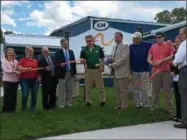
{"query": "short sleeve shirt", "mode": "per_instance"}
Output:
(161, 51)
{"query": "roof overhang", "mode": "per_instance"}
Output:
(165, 29)
(32, 40)
(107, 19)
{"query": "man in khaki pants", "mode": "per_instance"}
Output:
(159, 56)
(94, 66)
(120, 66)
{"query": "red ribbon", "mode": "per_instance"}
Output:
(140, 82)
(40, 68)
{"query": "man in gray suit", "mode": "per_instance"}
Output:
(181, 61)
(120, 67)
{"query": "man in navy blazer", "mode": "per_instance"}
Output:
(65, 72)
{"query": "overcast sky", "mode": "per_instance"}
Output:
(42, 17)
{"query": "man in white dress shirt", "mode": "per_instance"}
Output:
(65, 72)
(180, 61)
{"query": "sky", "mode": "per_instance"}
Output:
(42, 17)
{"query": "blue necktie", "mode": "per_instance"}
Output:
(67, 59)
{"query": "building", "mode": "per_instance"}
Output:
(89, 23)
(103, 30)
(19, 41)
(170, 32)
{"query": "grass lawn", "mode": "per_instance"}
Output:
(27, 125)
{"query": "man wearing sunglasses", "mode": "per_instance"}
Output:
(94, 66)
(159, 56)
(180, 61)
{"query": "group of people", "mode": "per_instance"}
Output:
(144, 61)
(30, 72)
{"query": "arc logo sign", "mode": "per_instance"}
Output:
(101, 25)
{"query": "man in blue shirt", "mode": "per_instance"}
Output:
(140, 70)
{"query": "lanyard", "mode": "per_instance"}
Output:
(13, 66)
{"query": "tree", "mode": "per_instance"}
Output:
(163, 17)
(8, 32)
(178, 15)
(1, 36)
(175, 16)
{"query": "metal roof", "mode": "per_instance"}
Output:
(165, 29)
(110, 20)
(32, 40)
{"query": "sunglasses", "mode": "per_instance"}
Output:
(158, 37)
(88, 41)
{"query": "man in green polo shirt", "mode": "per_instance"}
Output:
(94, 66)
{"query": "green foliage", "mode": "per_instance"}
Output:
(8, 32)
(175, 16)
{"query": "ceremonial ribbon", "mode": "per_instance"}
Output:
(40, 68)
(151, 77)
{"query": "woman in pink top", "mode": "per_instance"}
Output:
(10, 81)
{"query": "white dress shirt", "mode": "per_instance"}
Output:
(180, 56)
(176, 78)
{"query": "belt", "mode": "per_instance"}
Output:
(185, 66)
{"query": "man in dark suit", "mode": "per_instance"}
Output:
(48, 79)
(65, 72)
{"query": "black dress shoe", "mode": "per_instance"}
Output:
(177, 120)
(88, 104)
(139, 107)
(184, 126)
(102, 103)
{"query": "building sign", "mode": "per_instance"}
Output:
(101, 25)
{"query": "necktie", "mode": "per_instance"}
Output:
(115, 51)
(67, 59)
(51, 65)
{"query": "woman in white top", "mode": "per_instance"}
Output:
(175, 74)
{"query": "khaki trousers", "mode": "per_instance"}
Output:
(141, 93)
(64, 90)
(75, 87)
(91, 76)
(162, 80)
(121, 86)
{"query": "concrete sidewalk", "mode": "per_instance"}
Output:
(161, 130)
